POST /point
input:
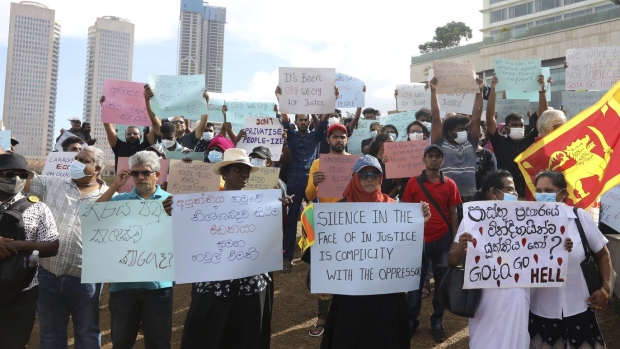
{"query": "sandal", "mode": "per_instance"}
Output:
(316, 330)
(426, 290)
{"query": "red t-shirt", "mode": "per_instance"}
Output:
(445, 192)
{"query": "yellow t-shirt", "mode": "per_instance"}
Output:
(312, 191)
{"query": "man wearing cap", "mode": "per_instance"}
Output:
(443, 195)
(17, 314)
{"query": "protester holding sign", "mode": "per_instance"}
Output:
(391, 187)
(375, 321)
(135, 305)
(567, 314)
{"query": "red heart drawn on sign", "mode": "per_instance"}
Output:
(560, 260)
(477, 259)
(516, 277)
(480, 230)
(499, 260)
(498, 283)
(475, 242)
(523, 241)
(562, 229)
(536, 258)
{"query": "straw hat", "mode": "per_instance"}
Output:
(234, 156)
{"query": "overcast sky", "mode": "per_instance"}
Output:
(374, 43)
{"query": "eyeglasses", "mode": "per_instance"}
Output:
(369, 175)
(12, 174)
(177, 122)
(143, 173)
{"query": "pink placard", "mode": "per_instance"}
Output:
(124, 103)
(123, 164)
(338, 170)
(404, 159)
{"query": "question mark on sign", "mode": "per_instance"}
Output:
(556, 245)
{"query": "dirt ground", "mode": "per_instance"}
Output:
(295, 311)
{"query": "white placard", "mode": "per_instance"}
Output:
(351, 91)
(610, 208)
(592, 68)
(266, 132)
(307, 90)
(367, 248)
(57, 164)
(453, 102)
(516, 244)
(412, 97)
(226, 235)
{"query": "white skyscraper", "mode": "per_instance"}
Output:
(109, 55)
(31, 78)
(201, 42)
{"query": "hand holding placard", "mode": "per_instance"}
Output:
(455, 77)
(124, 103)
(307, 90)
(194, 177)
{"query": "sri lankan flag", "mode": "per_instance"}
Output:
(307, 229)
(586, 149)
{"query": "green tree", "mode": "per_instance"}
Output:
(448, 36)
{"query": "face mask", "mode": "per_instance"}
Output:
(258, 162)
(12, 185)
(167, 143)
(510, 197)
(393, 135)
(517, 133)
(76, 170)
(373, 134)
(214, 156)
(546, 197)
(207, 136)
(461, 137)
(332, 121)
(416, 136)
(427, 125)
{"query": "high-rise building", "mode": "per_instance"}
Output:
(109, 55)
(31, 78)
(201, 42)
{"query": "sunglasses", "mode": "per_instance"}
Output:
(178, 122)
(12, 174)
(369, 175)
(143, 173)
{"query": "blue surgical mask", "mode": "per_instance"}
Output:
(214, 156)
(76, 170)
(258, 162)
(427, 125)
(546, 197)
(510, 197)
(373, 134)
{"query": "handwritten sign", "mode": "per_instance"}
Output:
(239, 111)
(124, 103)
(400, 121)
(404, 158)
(265, 132)
(194, 177)
(227, 235)
(366, 248)
(58, 145)
(57, 164)
(504, 107)
(412, 97)
(453, 102)
(126, 241)
(533, 95)
(351, 92)
(455, 77)
(123, 164)
(5, 140)
(338, 171)
(516, 244)
(517, 75)
(610, 208)
(592, 68)
(574, 103)
(178, 155)
(265, 178)
(216, 103)
(178, 95)
(361, 132)
(307, 90)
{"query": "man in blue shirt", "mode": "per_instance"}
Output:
(146, 305)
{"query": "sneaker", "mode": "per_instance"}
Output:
(438, 334)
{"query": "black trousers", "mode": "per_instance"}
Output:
(17, 320)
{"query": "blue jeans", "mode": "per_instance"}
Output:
(134, 308)
(61, 296)
(435, 252)
(294, 209)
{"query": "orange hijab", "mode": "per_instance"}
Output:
(356, 193)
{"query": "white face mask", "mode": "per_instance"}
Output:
(416, 136)
(461, 137)
(333, 121)
(207, 136)
(393, 135)
(167, 143)
(258, 162)
(517, 133)
(373, 134)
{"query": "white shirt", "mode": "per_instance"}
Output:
(558, 302)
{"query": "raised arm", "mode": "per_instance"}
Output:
(436, 126)
(542, 95)
(476, 113)
(110, 129)
(356, 117)
(204, 118)
(155, 121)
(490, 113)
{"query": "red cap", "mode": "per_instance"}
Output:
(335, 127)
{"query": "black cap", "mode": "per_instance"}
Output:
(433, 146)
(10, 161)
(261, 152)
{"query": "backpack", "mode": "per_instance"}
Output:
(15, 275)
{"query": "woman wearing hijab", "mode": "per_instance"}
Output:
(374, 321)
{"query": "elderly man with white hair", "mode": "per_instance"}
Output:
(549, 121)
(61, 291)
(146, 305)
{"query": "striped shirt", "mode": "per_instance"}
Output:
(460, 165)
(64, 198)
